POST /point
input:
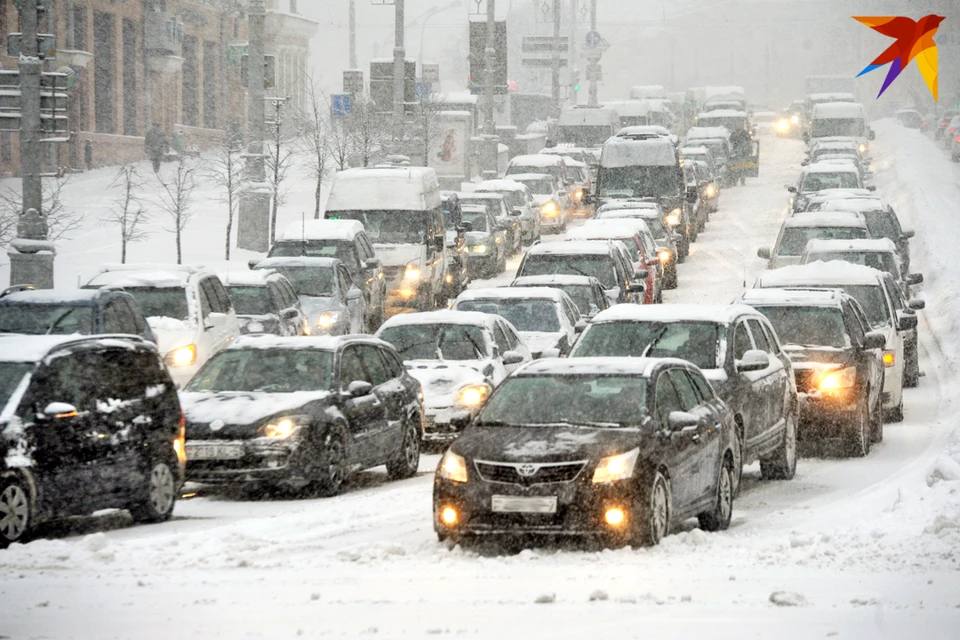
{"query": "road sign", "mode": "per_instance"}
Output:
(593, 39)
(423, 90)
(430, 73)
(340, 105)
(353, 81)
(545, 44)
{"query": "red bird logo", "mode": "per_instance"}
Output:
(914, 40)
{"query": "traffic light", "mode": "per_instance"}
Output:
(575, 79)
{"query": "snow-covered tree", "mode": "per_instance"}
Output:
(128, 212)
(226, 171)
(313, 137)
(176, 197)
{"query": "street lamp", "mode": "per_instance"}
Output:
(423, 25)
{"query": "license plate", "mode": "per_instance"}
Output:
(214, 451)
(511, 504)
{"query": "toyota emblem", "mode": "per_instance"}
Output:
(527, 470)
(216, 425)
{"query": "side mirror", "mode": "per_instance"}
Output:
(56, 411)
(580, 326)
(465, 226)
(906, 321)
(915, 278)
(692, 195)
(372, 263)
(874, 340)
(439, 242)
(753, 360)
(359, 388)
(680, 420)
(763, 252)
(517, 212)
(252, 264)
(908, 233)
(917, 305)
(871, 135)
(636, 287)
(553, 352)
(290, 314)
(354, 294)
(512, 357)
(792, 189)
(214, 319)
(871, 187)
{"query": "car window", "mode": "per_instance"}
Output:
(394, 366)
(706, 391)
(125, 374)
(667, 400)
(376, 367)
(513, 340)
(138, 322)
(689, 396)
(208, 299)
(288, 295)
(571, 312)
(64, 379)
(223, 304)
(351, 368)
(276, 295)
(500, 337)
(112, 323)
(771, 336)
(760, 337)
(856, 323)
(741, 341)
(344, 283)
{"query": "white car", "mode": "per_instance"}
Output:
(796, 231)
(550, 196)
(458, 357)
(866, 286)
(187, 308)
(518, 198)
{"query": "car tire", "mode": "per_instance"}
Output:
(911, 369)
(16, 509)
(161, 496)
(683, 248)
(407, 461)
(671, 281)
(857, 436)
(876, 421)
(652, 517)
(718, 518)
(333, 470)
(782, 465)
(895, 414)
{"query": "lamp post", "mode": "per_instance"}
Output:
(423, 25)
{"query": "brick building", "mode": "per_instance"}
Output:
(173, 62)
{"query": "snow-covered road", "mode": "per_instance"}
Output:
(848, 549)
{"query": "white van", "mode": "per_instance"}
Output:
(832, 119)
(402, 216)
(587, 127)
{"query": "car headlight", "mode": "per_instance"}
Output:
(578, 194)
(664, 255)
(327, 319)
(863, 148)
(181, 356)
(412, 272)
(618, 467)
(783, 125)
(673, 218)
(838, 379)
(480, 248)
(453, 467)
(285, 427)
(549, 209)
(473, 395)
(795, 119)
(711, 191)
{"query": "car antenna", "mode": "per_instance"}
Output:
(744, 274)
(303, 233)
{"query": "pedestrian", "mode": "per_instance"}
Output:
(155, 144)
(88, 154)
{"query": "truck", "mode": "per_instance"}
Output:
(587, 127)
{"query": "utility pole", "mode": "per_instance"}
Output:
(398, 70)
(353, 34)
(572, 61)
(555, 94)
(491, 142)
(593, 75)
(253, 220)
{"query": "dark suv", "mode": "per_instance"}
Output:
(836, 361)
(75, 442)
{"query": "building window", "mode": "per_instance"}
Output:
(211, 84)
(80, 28)
(190, 73)
(104, 58)
(129, 78)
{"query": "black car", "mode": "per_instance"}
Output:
(302, 412)
(456, 279)
(76, 443)
(736, 349)
(836, 361)
(71, 311)
(265, 302)
(623, 450)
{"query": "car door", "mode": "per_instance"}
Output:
(214, 336)
(770, 386)
(706, 441)
(393, 394)
(744, 398)
(277, 304)
(355, 307)
(681, 447)
(366, 415)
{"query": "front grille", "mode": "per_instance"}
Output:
(392, 273)
(805, 379)
(527, 474)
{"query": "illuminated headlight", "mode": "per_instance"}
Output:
(664, 255)
(412, 272)
(181, 356)
(838, 380)
(783, 125)
(711, 191)
(286, 427)
(549, 209)
(480, 248)
(453, 467)
(795, 119)
(327, 319)
(673, 218)
(863, 148)
(449, 278)
(619, 467)
(578, 195)
(473, 396)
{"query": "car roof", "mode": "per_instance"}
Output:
(724, 314)
(870, 245)
(830, 166)
(825, 219)
(537, 160)
(792, 297)
(630, 203)
(147, 275)
(444, 316)
(247, 277)
(608, 366)
(500, 185)
(608, 229)
(833, 272)
(78, 297)
(512, 293)
(859, 205)
(32, 349)
(555, 280)
(297, 261)
(479, 195)
(530, 176)
(343, 230)
(589, 247)
(325, 343)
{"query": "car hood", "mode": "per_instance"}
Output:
(812, 357)
(441, 381)
(546, 443)
(398, 255)
(540, 199)
(314, 306)
(477, 237)
(171, 333)
(537, 341)
(228, 415)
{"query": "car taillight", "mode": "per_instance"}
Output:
(957, 139)
(924, 123)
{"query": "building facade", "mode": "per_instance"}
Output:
(176, 63)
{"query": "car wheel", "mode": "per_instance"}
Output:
(161, 495)
(671, 281)
(683, 248)
(876, 421)
(857, 437)
(16, 511)
(407, 461)
(719, 517)
(782, 465)
(738, 460)
(333, 470)
(895, 414)
(653, 517)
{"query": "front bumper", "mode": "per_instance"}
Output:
(436, 424)
(480, 263)
(276, 462)
(551, 223)
(825, 416)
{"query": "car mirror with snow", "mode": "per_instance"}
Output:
(290, 314)
(465, 226)
(791, 189)
(214, 319)
(580, 326)
(871, 187)
(372, 263)
(908, 233)
(359, 388)
(763, 252)
(906, 321)
(512, 357)
(354, 294)
(874, 340)
(253, 264)
(57, 411)
(917, 305)
(681, 420)
(516, 212)
(915, 278)
(753, 360)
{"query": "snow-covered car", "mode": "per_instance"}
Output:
(301, 412)
(549, 196)
(880, 254)
(546, 319)
(639, 243)
(333, 304)
(601, 259)
(585, 291)
(736, 349)
(486, 253)
(867, 287)
(458, 357)
(457, 278)
(187, 308)
(591, 456)
(518, 197)
(764, 122)
(265, 302)
(836, 363)
(818, 176)
(580, 184)
(663, 236)
(911, 119)
(796, 231)
(506, 217)
(88, 423)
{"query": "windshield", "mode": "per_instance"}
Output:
(638, 182)
(577, 264)
(808, 326)
(524, 315)
(874, 303)
(266, 370)
(794, 239)
(883, 224)
(316, 282)
(437, 341)
(167, 302)
(512, 198)
(345, 252)
(697, 342)
(11, 373)
(39, 319)
(477, 218)
(829, 180)
(250, 300)
(492, 206)
(824, 127)
(609, 401)
(881, 261)
(550, 170)
(389, 227)
(717, 147)
(584, 135)
(538, 186)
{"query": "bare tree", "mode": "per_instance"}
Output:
(128, 211)
(340, 139)
(279, 157)
(426, 129)
(313, 128)
(368, 130)
(226, 171)
(61, 221)
(176, 196)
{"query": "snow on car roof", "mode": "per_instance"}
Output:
(444, 316)
(633, 213)
(672, 313)
(591, 247)
(592, 116)
(629, 203)
(831, 166)
(268, 341)
(397, 188)
(500, 185)
(297, 261)
(871, 245)
(859, 205)
(157, 276)
(28, 348)
(52, 296)
(628, 152)
(705, 133)
(850, 144)
(511, 293)
(853, 193)
(608, 229)
(816, 273)
(798, 297)
(246, 278)
(345, 230)
(838, 110)
(536, 160)
(825, 219)
(555, 279)
(694, 150)
(643, 129)
(520, 177)
(722, 113)
(479, 195)
(629, 108)
(642, 367)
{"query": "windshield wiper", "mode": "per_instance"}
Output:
(63, 316)
(578, 271)
(653, 343)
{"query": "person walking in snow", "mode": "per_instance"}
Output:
(155, 143)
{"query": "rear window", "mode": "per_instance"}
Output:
(345, 252)
(600, 267)
(794, 240)
(167, 302)
(525, 315)
(873, 259)
(315, 282)
(250, 301)
(829, 180)
(40, 319)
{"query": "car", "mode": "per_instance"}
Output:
(456, 278)
(624, 450)
(709, 186)
(867, 286)
(507, 218)
(554, 165)
(346, 241)
(588, 157)
(486, 251)
(639, 243)
(585, 291)
(736, 349)
(301, 413)
(796, 231)
(333, 304)
(880, 254)
(827, 146)
(910, 118)
(881, 219)
(518, 197)
(580, 184)
(827, 153)
(601, 259)
(187, 308)
(698, 206)
(76, 443)
(66, 311)
(549, 196)
(265, 302)
(951, 134)
(944, 122)
(717, 140)
(764, 122)
(665, 239)
(836, 363)
(546, 319)
(818, 176)
(458, 357)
